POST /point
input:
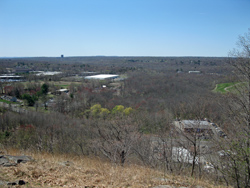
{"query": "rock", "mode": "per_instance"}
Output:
(3, 182)
(66, 163)
(3, 160)
(11, 183)
(18, 182)
(19, 159)
(9, 160)
(9, 164)
(21, 182)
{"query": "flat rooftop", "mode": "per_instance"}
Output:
(10, 76)
(102, 76)
(48, 73)
(196, 124)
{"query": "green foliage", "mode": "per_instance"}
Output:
(222, 88)
(39, 93)
(98, 111)
(45, 89)
(95, 110)
(5, 101)
(17, 93)
(30, 99)
(104, 112)
(118, 109)
(128, 111)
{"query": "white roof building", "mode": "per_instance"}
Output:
(196, 124)
(48, 73)
(194, 72)
(102, 76)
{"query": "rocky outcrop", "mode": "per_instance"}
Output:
(66, 163)
(9, 160)
(18, 182)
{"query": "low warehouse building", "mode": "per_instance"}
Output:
(102, 76)
(194, 126)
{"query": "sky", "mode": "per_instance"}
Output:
(49, 28)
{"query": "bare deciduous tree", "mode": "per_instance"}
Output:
(115, 138)
(236, 147)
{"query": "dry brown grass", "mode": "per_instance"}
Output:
(48, 170)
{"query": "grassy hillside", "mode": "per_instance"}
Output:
(49, 170)
(224, 87)
(230, 87)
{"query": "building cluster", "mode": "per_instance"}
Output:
(194, 137)
(10, 78)
(201, 128)
(10, 98)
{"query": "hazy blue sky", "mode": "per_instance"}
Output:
(121, 27)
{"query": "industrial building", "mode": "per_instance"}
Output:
(102, 76)
(10, 78)
(194, 126)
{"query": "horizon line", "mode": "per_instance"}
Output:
(5, 57)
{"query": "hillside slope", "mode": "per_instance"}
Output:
(46, 170)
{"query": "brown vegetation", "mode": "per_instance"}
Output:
(48, 170)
